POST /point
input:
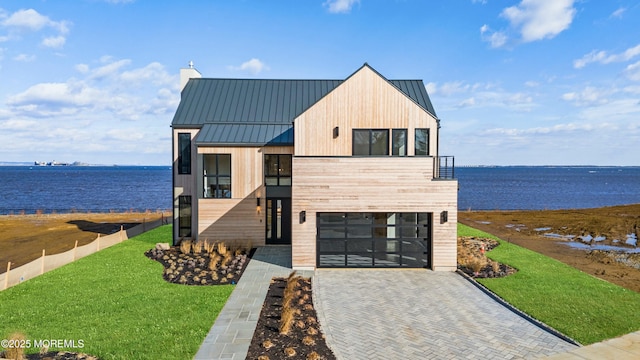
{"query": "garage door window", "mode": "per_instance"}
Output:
(374, 239)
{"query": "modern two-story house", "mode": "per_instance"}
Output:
(346, 172)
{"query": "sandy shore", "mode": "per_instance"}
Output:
(23, 237)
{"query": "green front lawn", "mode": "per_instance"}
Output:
(579, 305)
(117, 303)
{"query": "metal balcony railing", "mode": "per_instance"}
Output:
(444, 167)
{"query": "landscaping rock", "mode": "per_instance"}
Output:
(163, 246)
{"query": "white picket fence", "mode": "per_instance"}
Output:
(49, 262)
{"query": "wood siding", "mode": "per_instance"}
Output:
(364, 101)
(237, 220)
(371, 184)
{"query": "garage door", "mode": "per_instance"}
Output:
(374, 240)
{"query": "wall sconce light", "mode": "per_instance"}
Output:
(258, 202)
(336, 132)
(444, 217)
(303, 216)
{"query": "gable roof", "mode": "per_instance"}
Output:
(248, 100)
(261, 111)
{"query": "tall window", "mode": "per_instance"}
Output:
(184, 153)
(369, 142)
(422, 142)
(184, 216)
(399, 142)
(277, 170)
(217, 175)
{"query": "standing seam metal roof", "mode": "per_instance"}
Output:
(260, 111)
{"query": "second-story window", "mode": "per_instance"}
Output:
(422, 142)
(277, 170)
(399, 142)
(184, 153)
(217, 175)
(370, 142)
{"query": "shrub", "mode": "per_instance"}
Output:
(286, 319)
(209, 247)
(222, 249)
(197, 247)
(185, 246)
(15, 352)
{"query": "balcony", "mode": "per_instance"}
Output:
(443, 167)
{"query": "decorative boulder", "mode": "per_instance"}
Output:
(163, 246)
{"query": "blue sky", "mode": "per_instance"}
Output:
(524, 82)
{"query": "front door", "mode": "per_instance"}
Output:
(278, 221)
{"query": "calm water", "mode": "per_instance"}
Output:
(538, 188)
(84, 188)
(102, 189)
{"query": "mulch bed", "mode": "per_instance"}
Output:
(198, 268)
(304, 340)
(61, 355)
(473, 262)
(55, 355)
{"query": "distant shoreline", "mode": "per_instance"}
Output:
(32, 164)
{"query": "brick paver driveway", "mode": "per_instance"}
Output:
(419, 314)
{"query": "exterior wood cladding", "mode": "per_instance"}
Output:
(238, 220)
(325, 175)
(364, 101)
(371, 184)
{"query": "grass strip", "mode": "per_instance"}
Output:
(116, 302)
(577, 304)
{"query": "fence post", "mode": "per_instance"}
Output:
(6, 275)
(74, 250)
(98, 240)
(42, 267)
(121, 230)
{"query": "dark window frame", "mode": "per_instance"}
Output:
(184, 153)
(281, 173)
(185, 221)
(370, 142)
(214, 179)
(394, 146)
(426, 151)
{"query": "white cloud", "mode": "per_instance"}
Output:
(467, 102)
(31, 20)
(431, 88)
(253, 66)
(495, 38)
(107, 88)
(618, 13)
(153, 73)
(633, 71)
(82, 68)
(589, 96)
(110, 69)
(112, 112)
(55, 42)
(340, 6)
(27, 19)
(540, 19)
(605, 58)
(24, 58)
